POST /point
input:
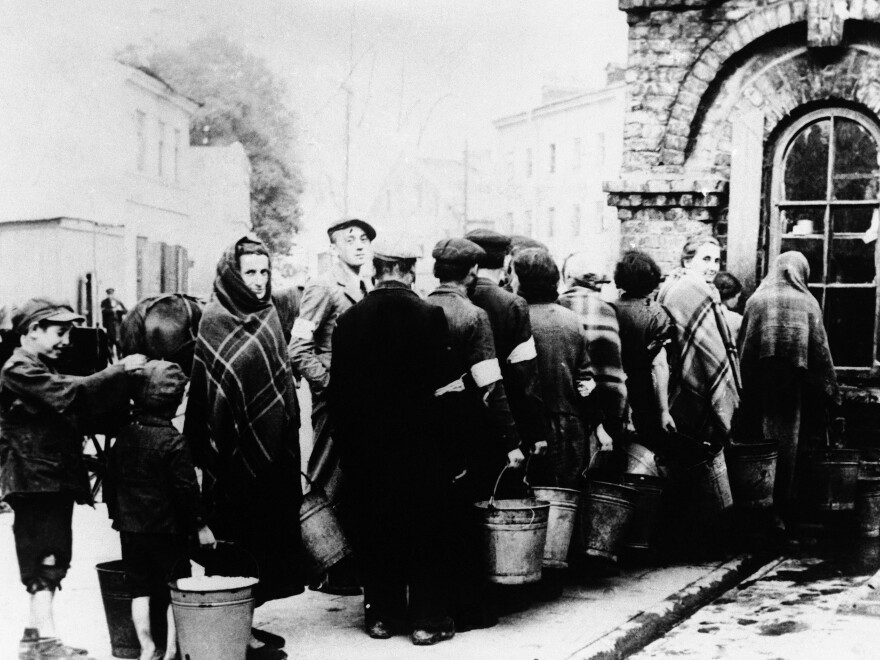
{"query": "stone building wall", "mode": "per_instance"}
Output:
(698, 71)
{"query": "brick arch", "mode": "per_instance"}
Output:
(683, 113)
(780, 86)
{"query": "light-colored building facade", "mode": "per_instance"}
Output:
(104, 148)
(551, 161)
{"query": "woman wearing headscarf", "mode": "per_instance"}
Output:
(564, 367)
(704, 387)
(243, 422)
(788, 374)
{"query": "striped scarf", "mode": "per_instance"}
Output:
(242, 416)
(603, 334)
(704, 389)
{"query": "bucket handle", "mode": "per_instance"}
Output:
(228, 544)
(525, 481)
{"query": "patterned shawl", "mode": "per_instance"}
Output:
(243, 415)
(603, 334)
(704, 389)
(782, 319)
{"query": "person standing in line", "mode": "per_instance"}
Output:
(566, 375)
(645, 333)
(43, 416)
(730, 290)
(705, 380)
(514, 345)
(390, 356)
(325, 298)
(153, 497)
(484, 428)
(112, 312)
(599, 321)
(242, 420)
(789, 382)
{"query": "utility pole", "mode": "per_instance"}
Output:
(348, 94)
(464, 215)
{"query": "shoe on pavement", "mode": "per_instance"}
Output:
(427, 638)
(269, 639)
(379, 629)
(50, 648)
(265, 652)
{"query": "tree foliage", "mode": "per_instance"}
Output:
(241, 101)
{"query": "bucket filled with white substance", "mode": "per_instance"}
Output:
(213, 614)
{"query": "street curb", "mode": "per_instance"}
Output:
(648, 625)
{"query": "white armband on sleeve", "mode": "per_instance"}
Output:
(486, 372)
(303, 329)
(523, 352)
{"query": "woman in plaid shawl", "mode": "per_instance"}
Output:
(788, 375)
(704, 384)
(243, 422)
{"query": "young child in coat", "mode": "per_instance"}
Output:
(153, 498)
(43, 417)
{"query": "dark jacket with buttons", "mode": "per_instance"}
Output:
(43, 417)
(151, 487)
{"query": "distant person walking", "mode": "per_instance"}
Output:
(730, 290)
(789, 382)
(112, 312)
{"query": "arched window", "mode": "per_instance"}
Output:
(824, 204)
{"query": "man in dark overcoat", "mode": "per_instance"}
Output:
(390, 355)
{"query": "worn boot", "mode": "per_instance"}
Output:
(34, 647)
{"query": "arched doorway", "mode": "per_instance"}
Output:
(824, 204)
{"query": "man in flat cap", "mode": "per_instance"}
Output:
(43, 416)
(485, 435)
(584, 280)
(323, 300)
(390, 355)
(514, 345)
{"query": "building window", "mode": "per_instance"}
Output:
(176, 155)
(527, 228)
(140, 121)
(552, 158)
(160, 155)
(576, 220)
(576, 154)
(600, 150)
(528, 163)
(824, 205)
(551, 221)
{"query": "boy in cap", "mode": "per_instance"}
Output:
(323, 300)
(485, 430)
(514, 345)
(153, 497)
(390, 354)
(43, 416)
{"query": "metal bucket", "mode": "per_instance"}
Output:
(213, 625)
(829, 479)
(116, 593)
(751, 469)
(560, 523)
(868, 507)
(647, 509)
(709, 487)
(606, 512)
(514, 535)
(322, 536)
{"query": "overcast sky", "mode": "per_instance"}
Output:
(427, 74)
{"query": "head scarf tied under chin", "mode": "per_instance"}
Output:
(229, 286)
(784, 320)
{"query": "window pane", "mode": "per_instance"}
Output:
(851, 261)
(855, 161)
(811, 248)
(849, 321)
(806, 165)
(803, 220)
(851, 219)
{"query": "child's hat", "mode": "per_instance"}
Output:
(160, 385)
(42, 309)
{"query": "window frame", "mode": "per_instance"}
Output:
(778, 202)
